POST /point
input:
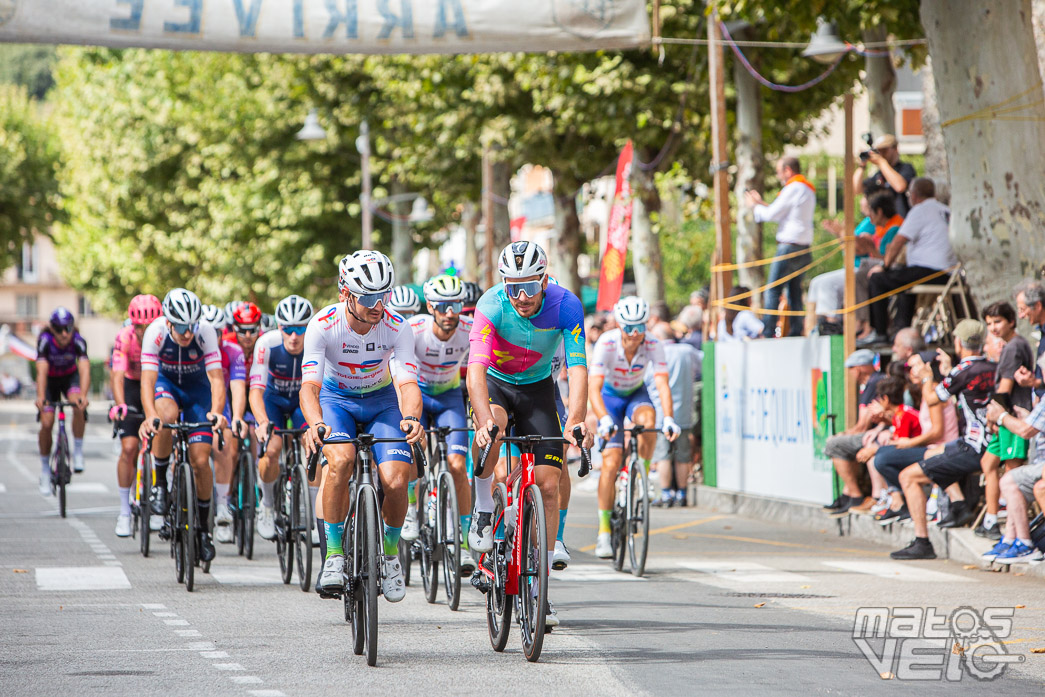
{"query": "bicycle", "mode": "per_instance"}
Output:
(180, 525)
(294, 510)
(364, 550)
(517, 567)
(244, 500)
(61, 472)
(629, 520)
(141, 491)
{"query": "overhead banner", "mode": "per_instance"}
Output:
(330, 26)
(611, 275)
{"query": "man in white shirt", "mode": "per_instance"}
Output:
(793, 210)
(925, 235)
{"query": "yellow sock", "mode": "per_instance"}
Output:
(604, 521)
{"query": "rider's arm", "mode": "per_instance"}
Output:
(257, 401)
(119, 369)
(42, 368)
(238, 394)
(479, 394)
(83, 365)
(313, 365)
(117, 386)
(410, 403)
(217, 390)
(594, 395)
(603, 356)
(150, 367)
(308, 398)
(664, 392)
(576, 409)
(208, 337)
(149, 393)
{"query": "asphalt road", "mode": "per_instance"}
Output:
(728, 604)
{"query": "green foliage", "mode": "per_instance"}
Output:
(28, 65)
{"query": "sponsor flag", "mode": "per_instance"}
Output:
(611, 276)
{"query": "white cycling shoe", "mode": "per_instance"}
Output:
(45, 484)
(266, 522)
(551, 617)
(123, 526)
(603, 546)
(560, 557)
(411, 530)
(223, 524)
(480, 533)
(392, 584)
(332, 578)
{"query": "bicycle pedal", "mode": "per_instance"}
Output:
(480, 582)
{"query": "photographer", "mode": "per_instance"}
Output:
(893, 173)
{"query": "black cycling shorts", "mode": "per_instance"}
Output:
(532, 407)
(59, 387)
(132, 396)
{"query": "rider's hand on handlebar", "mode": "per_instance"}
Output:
(311, 439)
(239, 427)
(118, 412)
(586, 442)
(148, 428)
(40, 403)
(218, 420)
(607, 427)
(413, 430)
(482, 434)
(670, 429)
(80, 400)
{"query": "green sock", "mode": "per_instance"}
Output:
(335, 535)
(392, 540)
(562, 524)
(604, 521)
(646, 463)
(466, 522)
(411, 493)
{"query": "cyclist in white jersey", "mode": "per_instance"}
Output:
(346, 386)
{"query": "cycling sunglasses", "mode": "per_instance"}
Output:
(446, 308)
(294, 330)
(185, 328)
(62, 330)
(531, 288)
(251, 329)
(633, 328)
(370, 300)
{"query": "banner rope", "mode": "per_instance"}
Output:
(770, 260)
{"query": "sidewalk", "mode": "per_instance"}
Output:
(959, 545)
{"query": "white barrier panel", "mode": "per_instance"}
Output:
(331, 26)
(771, 402)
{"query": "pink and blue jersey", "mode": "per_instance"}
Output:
(520, 350)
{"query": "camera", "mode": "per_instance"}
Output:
(866, 154)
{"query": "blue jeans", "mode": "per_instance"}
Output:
(777, 270)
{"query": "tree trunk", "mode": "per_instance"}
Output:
(645, 244)
(935, 150)
(470, 223)
(1038, 17)
(880, 79)
(502, 190)
(402, 237)
(750, 171)
(563, 260)
(997, 164)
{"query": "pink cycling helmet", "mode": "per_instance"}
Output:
(144, 309)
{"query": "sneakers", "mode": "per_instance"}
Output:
(392, 584)
(891, 516)
(872, 339)
(266, 521)
(480, 534)
(881, 505)
(223, 523)
(45, 484)
(920, 548)
(852, 504)
(958, 516)
(561, 556)
(603, 546)
(551, 617)
(1018, 553)
(993, 552)
(666, 500)
(680, 498)
(991, 533)
(838, 503)
(411, 529)
(123, 526)
(331, 581)
(78, 463)
(159, 500)
(205, 547)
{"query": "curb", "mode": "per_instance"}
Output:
(956, 544)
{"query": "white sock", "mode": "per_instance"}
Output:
(125, 500)
(78, 447)
(222, 491)
(551, 553)
(484, 494)
(990, 520)
(45, 464)
(1008, 540)
(268, 493)
(313, 492)
(1027, 542)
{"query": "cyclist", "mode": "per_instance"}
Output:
(346, 383)
(404, 301)
(181, 372)
(228, 331)
(441, 346)
(517, 329)
(126, 390)
(234, 370)
(268, 323)
(619, 361)
(275, 381)
(62, 368)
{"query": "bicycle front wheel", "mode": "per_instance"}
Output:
(449, 525)
(144, 502)
(301, 525)
(372, 555)
(284, 529)
(637, 523)
(498, 603)
(429, 539)
(533, 576)
(619, 516)
(62, 468)
(250, 504)
(187, 505)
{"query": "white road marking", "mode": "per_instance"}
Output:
(165, 614)
(187, 632)
(246, 576)
(246, 679)
(81, 578)
(228, 666)
(898, 571)
(214, 654)
(728, 574)
(87, 488)
(593, 572)
(153, 606)
(266, 693)
(111, 563)
(200, 646)
(3, 489)
(176, 623)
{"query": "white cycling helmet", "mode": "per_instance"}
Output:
(522, 259)
(365, 272)
(214, 316)
(181, 306)
(230, 309)
(293, 311)
(268, 322)
(631, 310)
(443, 289)
(404, 300)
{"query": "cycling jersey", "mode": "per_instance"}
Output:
(61, 360)
(274, 368)
(161, 353)
(621, 377)
(439, 362)
(519, 350)
(349, 364)
(232, 364)
(126, 354)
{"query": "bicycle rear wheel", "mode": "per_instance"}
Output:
(373, 562)
(144, 502)
(619, 517)
(248, 503)
(498, 603)
(533, 577)
(284, 529)
(61, 462)
(406, 558)
(449, 527)
(637, 523)
(301, 524)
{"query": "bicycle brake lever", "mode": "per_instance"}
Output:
(420, 460)
(578, 436)
(313, 459)
(486, 451)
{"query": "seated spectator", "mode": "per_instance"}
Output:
(1005, 447)
(826, 294)
(692, 318)
(972, 382)
(1030, 304)
(842, 448)
(739, 325)
(924, 234)
(1019, 485)
(907, 343)
(10, 386)
(673, 465)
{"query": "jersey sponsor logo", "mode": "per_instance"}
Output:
(503, 357)
(369, 347)
(329, 315)
(576, 332)
(393, 319)
(364, 368)
(485, 333)
(349, 348)
(431, 351)
(338, 434)
(574, 354)
(310, 364)
(449, 352)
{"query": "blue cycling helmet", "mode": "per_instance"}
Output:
(61, 317)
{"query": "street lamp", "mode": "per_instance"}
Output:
(825, 46)
(311, 130)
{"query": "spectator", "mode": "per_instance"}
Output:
(597, 324)
(972, 382)
(842, 448)
(10, 386)
(659, 314)
(907, 343)
(699, 298)
(739, 325)
(893, 176)
(793, 210)
(924, 233)
(1019, 485)
(683, 372)
(692, 318)
(1030, 304)
(1005, 446)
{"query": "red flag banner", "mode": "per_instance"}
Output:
(611, 276)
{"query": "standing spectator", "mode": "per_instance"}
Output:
(1019, 486)
(793, 210)
(972, 382)
(1006, 446)
(692, 318)
(683, 371)
(659, 313)
(924, 234)
(1030, 303)
(739, 325)
(893, 175)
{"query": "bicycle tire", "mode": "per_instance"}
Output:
(238, 488)
(374, 562)
(354, 594)
(449, 528)
(250, 505)
(284, 533)
(429, 540)
(187, 504)
(144, 503)
(406, 558)
(62, 466)
(619, 518)
(498, 604)
(637, 530)
(533, 606)
(301, 525)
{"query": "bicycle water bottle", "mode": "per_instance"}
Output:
(431, 508)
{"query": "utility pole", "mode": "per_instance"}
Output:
(849, 250)
(488, 215)
(719, 164)
(363, 146)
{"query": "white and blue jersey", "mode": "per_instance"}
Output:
(439, 377)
